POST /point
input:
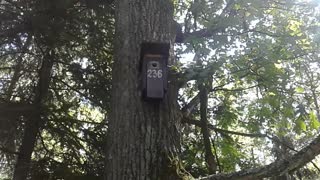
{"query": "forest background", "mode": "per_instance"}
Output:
(246, 74)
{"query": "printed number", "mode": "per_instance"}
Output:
(159, 73)
(152, 73)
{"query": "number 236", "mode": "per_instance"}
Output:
(152, 73)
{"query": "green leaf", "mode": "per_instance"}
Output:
(314, 122)
(237, 6)
(301, 124)
(299, 90)
(271, 94)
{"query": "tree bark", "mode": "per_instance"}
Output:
(34, 120)
(210, 159)
(143, 136)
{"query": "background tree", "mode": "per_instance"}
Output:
(247, 98)
(55, 79)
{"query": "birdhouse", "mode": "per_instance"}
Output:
(154, 62)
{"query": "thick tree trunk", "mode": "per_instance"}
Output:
(143, 136)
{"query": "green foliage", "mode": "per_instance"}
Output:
(265, 80)
(71, 143)
(314, 122)
(259, 60)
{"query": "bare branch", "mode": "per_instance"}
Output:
(187, 109)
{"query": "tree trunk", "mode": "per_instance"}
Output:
(143, 137)
(34, 120)
(8, 121)
(22, 166)
(209, 157)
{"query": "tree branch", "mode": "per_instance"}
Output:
(7, 150)
(187, 109)
(276, 168)
(210, 159)
(221, 31)
(79, 92)
(16, 108)
(18, 67)
(223, 131)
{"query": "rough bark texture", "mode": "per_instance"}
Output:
(142, 136)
